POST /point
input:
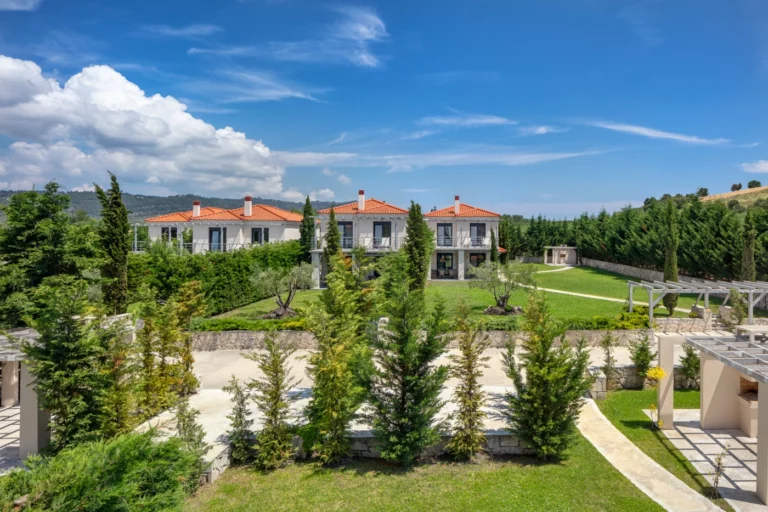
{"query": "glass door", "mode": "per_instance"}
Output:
(445, 235)
(477, 234)
(256, 236)
(347, 241)
(217, 239)
(444, 264)
(382, 235)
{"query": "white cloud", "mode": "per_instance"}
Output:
(758, 166)
(196, 30)
(85, 187)
(341, 178)
(540, 130)
(419, 134)
(19, 5)
(340, 138)
(347, 41)
(238, 85)
(324, 194)
(637, 17)
(466, 120)
(653, 133)
(98, 120)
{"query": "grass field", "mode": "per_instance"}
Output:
(585, 481)
(624, 408)
(258, 309)
(594, 281)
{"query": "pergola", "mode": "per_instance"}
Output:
(755, 291)
(725, 362)
(18, 389)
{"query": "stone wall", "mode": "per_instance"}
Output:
(627, 378)
(497, 442)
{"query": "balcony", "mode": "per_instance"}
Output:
(466, 242)
(445, 241)
(386, 243)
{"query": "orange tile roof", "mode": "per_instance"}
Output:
(260, 212)
(372, 206)
(465, 210)
(184, 216)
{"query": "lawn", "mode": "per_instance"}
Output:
(594, 281)
(258, 309)
(585, 481)
(624, 408)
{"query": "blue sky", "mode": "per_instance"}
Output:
(552, 107)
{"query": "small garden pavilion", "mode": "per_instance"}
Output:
(754, 291)
(734, 390)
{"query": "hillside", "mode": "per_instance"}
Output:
(745, 197)
(142, 207)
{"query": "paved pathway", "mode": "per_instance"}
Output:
(569, 267)
(600, 297)
(655, 481)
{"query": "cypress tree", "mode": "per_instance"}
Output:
(307, 231)
(406, 384)
(494, 248)
(332, 239)
(240, 421)
(748, 272)
(670, 241)
(115, 240)
(418, 247)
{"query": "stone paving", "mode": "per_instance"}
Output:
(9, 439)
(701, 447)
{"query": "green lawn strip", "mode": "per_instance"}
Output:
(258, 309)
(585, 481)
(624, 408)
(592, 281)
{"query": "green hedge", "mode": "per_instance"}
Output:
(242, 324)
(226, 276)
(133, 472)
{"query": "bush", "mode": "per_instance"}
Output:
(641, 355)
(225, 276)
(242, 324)
(133, 472)
(691, 364)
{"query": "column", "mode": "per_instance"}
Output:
(10, 386)
(762, 442)
(461, 265)
(720, 386)
(666, 391)
(34, 434)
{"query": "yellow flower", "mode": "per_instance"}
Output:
(655, 374)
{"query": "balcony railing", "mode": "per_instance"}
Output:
(466, 242)
(445, 241)
(196, 247)
(375, 243)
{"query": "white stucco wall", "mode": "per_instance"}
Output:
(362, 227)
(461, 230)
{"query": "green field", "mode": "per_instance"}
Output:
(585, 481)
(624, 408)
(258, 309)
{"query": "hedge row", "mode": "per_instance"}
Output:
(226, 276)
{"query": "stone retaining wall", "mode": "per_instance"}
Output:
(497, 442)
(627, 378)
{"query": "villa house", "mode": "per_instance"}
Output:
(375, 225)
(218, 229)
(462, 239)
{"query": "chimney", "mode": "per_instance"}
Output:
(196, 209)
(360, 200)
(248, 206)
(456, 205)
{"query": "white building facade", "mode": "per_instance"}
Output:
(218, 229)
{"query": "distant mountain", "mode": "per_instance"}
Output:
(142, 207)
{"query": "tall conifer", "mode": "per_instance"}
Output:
(114, 236)
(307, 231)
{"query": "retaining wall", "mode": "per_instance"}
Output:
(626, 377)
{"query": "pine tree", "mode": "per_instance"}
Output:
(549, 383)
(192, 437)
(66, 362)
(467, 366)
(418, 247)
(114, 236)
(240, 421)
(188, 303)
(274, 445)
(120, 368)
(494, 248)
(405, 385)
(748, 272)
(332, 239)
(671, 241)
(504, 240)
(307, 231)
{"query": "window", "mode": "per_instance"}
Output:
(345, 228)
(217, 239)
(445, 235)
(477, 235)
(444, 261)
(382, 235)
(259, 236)
(477, 258)
(168, 233)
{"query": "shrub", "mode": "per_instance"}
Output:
(239, 433)
(608, 344)
(641, 355)
(132, 472)
(192, 436)
(243, 324)
(691, 365)
(550, 383)
(274, 442)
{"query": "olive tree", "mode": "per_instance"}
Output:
(502, 279)
(282, 284)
